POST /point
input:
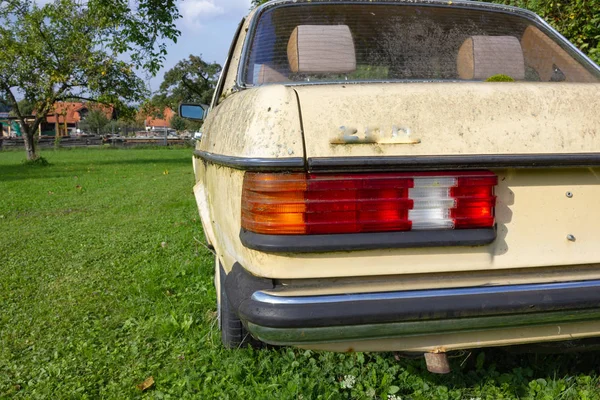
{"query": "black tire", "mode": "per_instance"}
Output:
(233, 333)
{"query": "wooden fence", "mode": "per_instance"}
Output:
(90, 141)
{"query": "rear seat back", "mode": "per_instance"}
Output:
(267, 74)
(545, 56)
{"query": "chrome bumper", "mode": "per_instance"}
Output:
(297, 320)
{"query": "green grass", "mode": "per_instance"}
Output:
(102, 285)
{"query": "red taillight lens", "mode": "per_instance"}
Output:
(287, 204)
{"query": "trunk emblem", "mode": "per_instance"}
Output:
(374, 135)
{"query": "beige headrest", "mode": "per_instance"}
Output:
(321, 49)
(543, 54)
(480, 57)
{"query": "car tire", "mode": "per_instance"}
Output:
(233, 333)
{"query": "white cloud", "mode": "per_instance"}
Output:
(195, 12)
(200, 9)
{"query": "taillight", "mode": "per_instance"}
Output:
(299, 203)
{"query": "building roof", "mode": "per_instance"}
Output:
(71, 111)
(160, 122)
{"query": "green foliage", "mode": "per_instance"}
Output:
(25, 106)
(370, 72)
(70, 49)
(178, 123)
(500, 78)
(191, 80)
(126, 112)
(256, 3)
(38, 162)
(124, 127)
(577, 20)
(193, 126)
(4, 105)
(102, 284)
(94, 122)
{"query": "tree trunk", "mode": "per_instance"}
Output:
(30, 147)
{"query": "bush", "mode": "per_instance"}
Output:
(577, 20)
(37, 162)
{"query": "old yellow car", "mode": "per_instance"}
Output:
(402, 175)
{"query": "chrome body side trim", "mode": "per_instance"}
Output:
(252, 164)
(263, 297)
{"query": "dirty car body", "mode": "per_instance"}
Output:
(368, 186)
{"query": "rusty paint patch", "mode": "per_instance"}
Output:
(374, 135)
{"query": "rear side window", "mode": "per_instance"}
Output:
(385, 42)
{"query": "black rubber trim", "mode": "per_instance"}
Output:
(404, 309)
(253, 164)
(240, 285)
(412, 163)
(366, 241)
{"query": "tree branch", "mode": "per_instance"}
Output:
(48, 42)
(64, 98)
(190, 86)
(47, 105)
(15, 106)
(12, 100)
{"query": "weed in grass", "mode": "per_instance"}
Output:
(36, 162)
(102, 287)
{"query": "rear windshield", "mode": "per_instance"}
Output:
(385, 42)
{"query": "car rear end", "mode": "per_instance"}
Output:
(430, 210)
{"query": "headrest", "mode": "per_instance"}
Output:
(480, 57)
(321, 49)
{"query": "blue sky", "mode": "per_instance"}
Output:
(207, 28)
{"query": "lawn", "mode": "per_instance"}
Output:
(103, 284)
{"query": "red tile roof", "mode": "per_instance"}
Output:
(70, 110)
(161, 122)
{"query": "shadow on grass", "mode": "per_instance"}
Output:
(138, 161)
(469, 367)
(21, 171)
(502, 368)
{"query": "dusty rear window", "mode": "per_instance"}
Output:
(382, 42)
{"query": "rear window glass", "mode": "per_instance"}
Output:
(382, 42)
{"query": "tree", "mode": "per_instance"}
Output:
(256, 3)
(94, 121)
(191, 80)
(85, 50)
(4, 106)
(122, 126)
(25, 106)
(178, 123)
